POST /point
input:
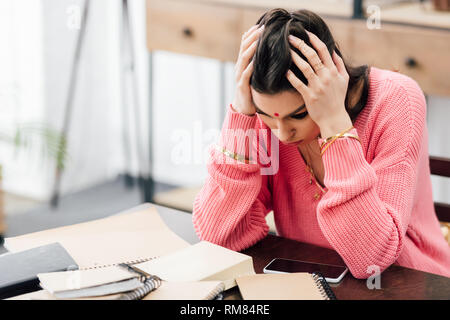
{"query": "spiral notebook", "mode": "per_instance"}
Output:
(188, 290)
(122, 282)
(287, 286)
(98, 247)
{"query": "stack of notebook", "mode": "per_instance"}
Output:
(133, 256)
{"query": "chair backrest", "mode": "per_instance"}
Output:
(441, 167)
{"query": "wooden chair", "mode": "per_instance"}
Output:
(440, 166)
(2, 211)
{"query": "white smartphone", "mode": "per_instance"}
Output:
(332, 273)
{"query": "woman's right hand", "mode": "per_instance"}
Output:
(243, 101)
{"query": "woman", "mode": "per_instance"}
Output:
(352, 170)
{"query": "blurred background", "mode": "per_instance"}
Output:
(105, 104)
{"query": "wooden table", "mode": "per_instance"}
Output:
(396, 282)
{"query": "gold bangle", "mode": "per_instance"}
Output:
(233, 155)
(331, 138)
(345, 135)
(349, 135)
(325, 146)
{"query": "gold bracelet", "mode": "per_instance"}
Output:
(326, 145)
(333, 138)
(345, 135)
(233, 155)
(330, 138)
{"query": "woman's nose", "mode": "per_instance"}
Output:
(285, 133)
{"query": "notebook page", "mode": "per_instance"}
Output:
(201, 261)
(124, 238)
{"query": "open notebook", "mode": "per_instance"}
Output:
(201, 261)
(123, 238)
(106, 282)
(137, 239)
(190, 268)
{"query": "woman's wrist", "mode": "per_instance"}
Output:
(335, 125)
(236, 109)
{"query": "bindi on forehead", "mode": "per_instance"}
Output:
(276, 114)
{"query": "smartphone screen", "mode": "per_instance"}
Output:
(291, 266)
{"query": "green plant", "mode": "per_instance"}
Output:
(24, 137)
(53, 144)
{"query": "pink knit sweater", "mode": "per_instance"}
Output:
(377, 208)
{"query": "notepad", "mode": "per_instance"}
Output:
(18, 270)
(62, 282)
(287, 286)
(123, 238)
(135, 238)
(201, 261)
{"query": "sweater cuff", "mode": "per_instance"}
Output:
(237, 120)
(238, 133)
(345, 165)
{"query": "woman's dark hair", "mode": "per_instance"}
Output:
(273, 58)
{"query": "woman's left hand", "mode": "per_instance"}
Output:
(325, 93)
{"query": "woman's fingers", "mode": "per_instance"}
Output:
(297, 83)
(339, 64)
(247, 50)
(248, 32)
(308, 52)
(246, 75)
(321, 49)
(244, 59)
(252, 35)
(304, 67)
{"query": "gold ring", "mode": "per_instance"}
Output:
(318, 66)
(301, 45)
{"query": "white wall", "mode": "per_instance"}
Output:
(37, 55)
(94, 138)
(22, 82)
(186, 98)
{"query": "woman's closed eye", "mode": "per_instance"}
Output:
(299, 115)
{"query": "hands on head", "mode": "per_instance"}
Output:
(327, 76)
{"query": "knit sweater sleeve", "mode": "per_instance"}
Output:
(231, 207)
(366, 211)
